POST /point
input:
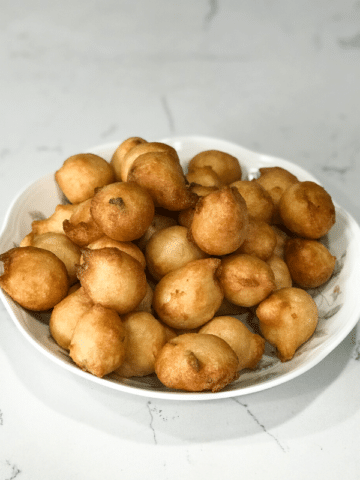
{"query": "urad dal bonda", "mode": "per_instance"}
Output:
(260, 240)
(98, 342)
(155, 276)
(80, 174)
(197, 362)
(189, 296)
(112, 278)
(118, 156)
(220, 222)
(226, 166)
(123, 211)
(145, 337)
(170, 249)
(309, 262)
(246, 279)
(276, 180)
(287, 319)
(281, 271)
(162, 176)
(307, 210)
(128, 247)
(248, 346)
(141, 149)
(204, 176)
(158, 223)
(67, 251)
(35, 278)
(258, 201)
(66, 314)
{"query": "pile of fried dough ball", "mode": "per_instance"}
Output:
(147, 266)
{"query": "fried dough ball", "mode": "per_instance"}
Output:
(310, 263)
(220, 222)
(185, 217)
(63, 247)
(162, 176)
(81, 227)
(169, 249)
(55, 222)
(141, 149)
(248, 346)
(287, 319)
(260, 240)
(66, 314)
(123, 211)
(98, 342)
(158, 223)
(145, 337)
(189, 296)
(204, 176)
(226, 166)
(119, 154)
(35, 278)
(246, 280)
(127, 247)
(307, 210)
(258, 201)
(276, 180)
(80, 174)
(196, 362)
(281, 271)
(112, 278)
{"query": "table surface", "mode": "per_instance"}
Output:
(278, 77)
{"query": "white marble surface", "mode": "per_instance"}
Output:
(280, 77)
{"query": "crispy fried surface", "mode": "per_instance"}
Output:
(145, 337)
(98, 342)
(170, 249)
(113, 279)
(226, 166)
(35, 278)
(66, 314)
(310, 263)
(80, 174)
(287, 318)
(123, 211)
(246, 280)
(189, 296)
(307, 210)
(220, 222)
(196, 362)
(248, 346)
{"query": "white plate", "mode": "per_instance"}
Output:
(338, 301)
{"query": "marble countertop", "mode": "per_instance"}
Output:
(278, 77)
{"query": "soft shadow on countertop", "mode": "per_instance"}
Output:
(153, 421)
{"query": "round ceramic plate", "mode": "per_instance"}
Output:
(338, 300)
